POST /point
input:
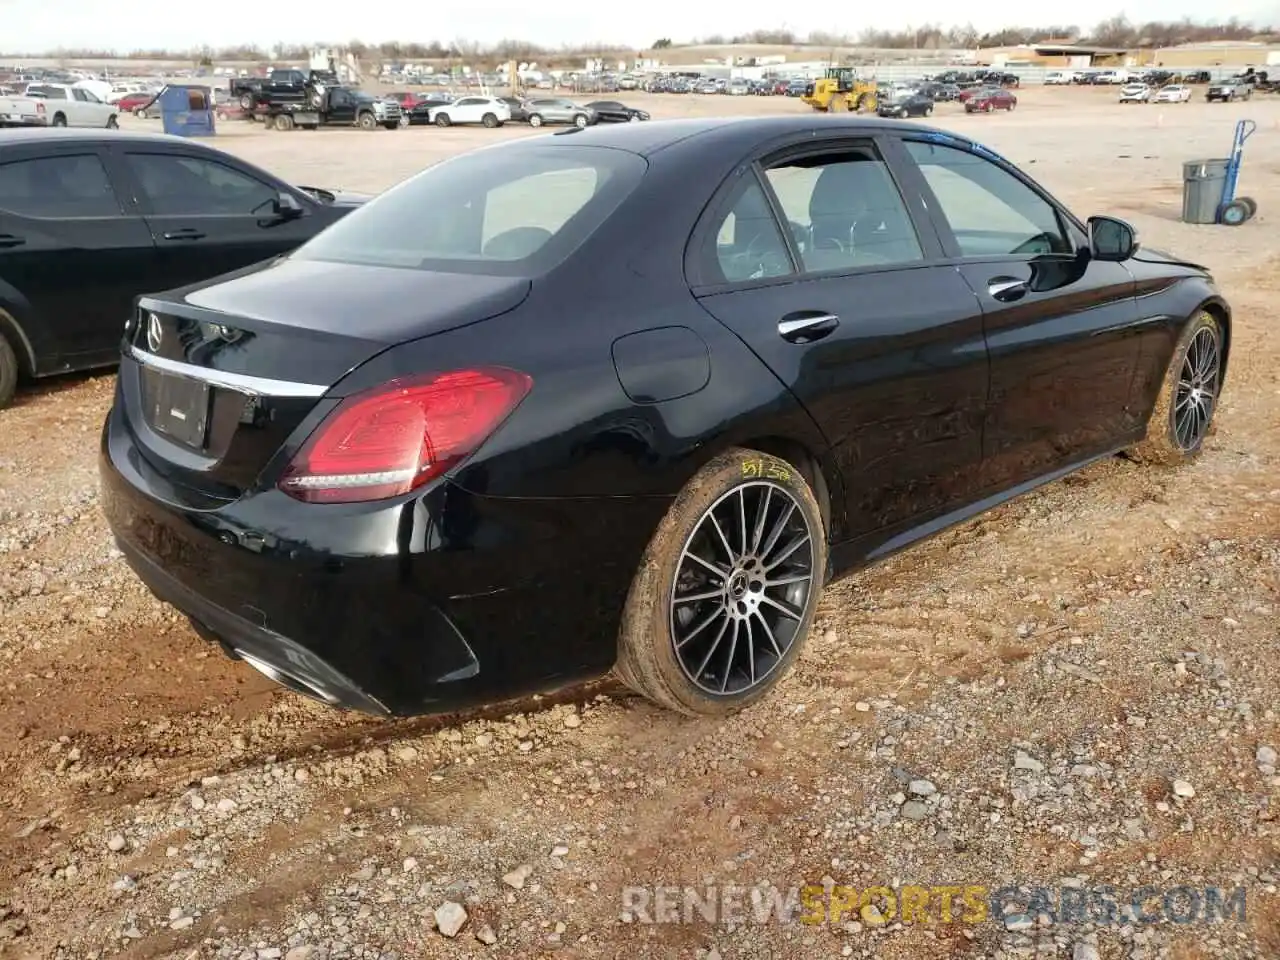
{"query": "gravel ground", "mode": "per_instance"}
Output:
(1079, 688)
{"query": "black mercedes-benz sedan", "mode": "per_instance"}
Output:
(627, 398)
(91, 219)
(611, 111)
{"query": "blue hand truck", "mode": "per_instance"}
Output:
(1233, 210)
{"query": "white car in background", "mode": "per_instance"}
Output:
(1173, 93)
(1135, 93)
(489, 111)
(1059, 77)
(66, 105)
(123, 90)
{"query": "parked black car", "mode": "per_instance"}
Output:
(911, 105)
(88, 221)
(611, 111)
(562, 405)
(418, 114)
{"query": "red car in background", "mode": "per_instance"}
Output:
(984, 101)
(134, 101)
(407, 99)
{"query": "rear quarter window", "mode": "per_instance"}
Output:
(510, 210)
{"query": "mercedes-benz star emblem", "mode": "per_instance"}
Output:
(155, 333)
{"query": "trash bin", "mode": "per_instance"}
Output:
(1202, 183)
(187, 110)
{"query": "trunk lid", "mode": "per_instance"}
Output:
(217, 377)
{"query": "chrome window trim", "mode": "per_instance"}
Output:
(240, 382)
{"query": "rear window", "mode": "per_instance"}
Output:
(510, 210)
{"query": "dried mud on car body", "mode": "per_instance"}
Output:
(1119, 628)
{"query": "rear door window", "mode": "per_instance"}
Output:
(845, 211)
(58, 187)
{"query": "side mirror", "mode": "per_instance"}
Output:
(287, 206)
(1111, 239)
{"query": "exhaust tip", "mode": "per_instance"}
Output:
(287, 680)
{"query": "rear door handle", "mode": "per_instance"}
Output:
(806, 326)
(1007, 289)
(9, 240)
(186, 234)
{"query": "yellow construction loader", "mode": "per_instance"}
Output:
(840, 89)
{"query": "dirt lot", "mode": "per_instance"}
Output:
(1050, 669)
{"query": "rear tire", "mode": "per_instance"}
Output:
(113, 123)
(580, 121)
(59, 120)
(535, 120)
(767, 543)
(490, 120)
(284, 123)
(1165, 443)
(442, 120)
(8, 372)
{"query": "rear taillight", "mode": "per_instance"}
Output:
(387, 441)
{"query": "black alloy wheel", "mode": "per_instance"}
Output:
(742, 586)
(1197, 390)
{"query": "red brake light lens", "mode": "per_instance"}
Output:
(390, 440)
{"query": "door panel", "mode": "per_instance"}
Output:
(1061, 328)
(1063, 357)
(208, 218)
(883, 348)
(899, 387)
(71, 254)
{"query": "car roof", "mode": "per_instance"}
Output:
(732, 133)
(73, 135)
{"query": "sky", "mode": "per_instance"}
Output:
(123, 25)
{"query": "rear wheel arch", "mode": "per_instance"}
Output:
(804, 460)
(12, 331)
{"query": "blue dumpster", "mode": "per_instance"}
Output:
(187, 110)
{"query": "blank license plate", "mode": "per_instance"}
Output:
(179, 408)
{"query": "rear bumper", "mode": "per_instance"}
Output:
(421, 605)
(288, 663)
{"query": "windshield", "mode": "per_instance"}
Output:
(509, 210)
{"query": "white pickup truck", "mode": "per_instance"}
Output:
(56, 105)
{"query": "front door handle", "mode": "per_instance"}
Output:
(186, 234)
(1007, 289)
(805, 327)
(9, 240)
